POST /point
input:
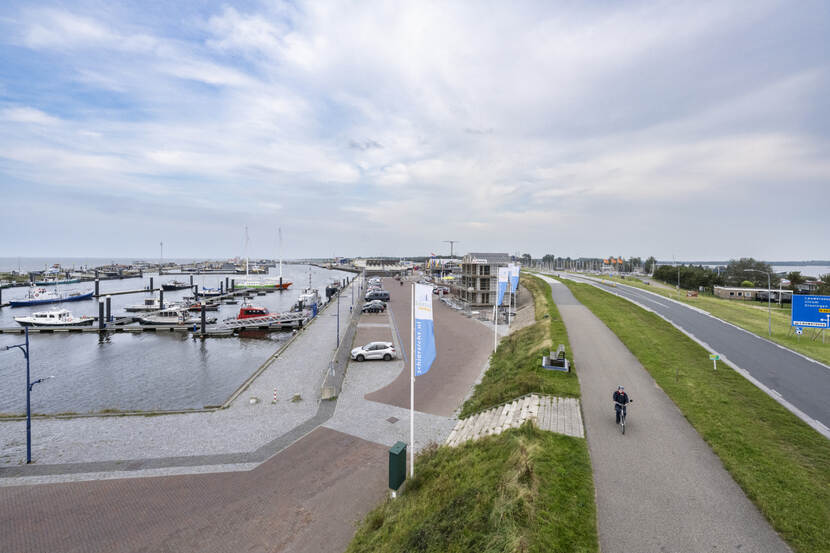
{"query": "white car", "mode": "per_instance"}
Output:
(375, 350)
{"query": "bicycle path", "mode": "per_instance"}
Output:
(659, 487)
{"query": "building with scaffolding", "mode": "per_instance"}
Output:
(477, 284)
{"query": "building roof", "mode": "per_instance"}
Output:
(489, 257)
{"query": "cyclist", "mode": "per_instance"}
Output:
(621, 399)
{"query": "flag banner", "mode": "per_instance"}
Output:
(514, 277)
(504, 276)
(424, 353)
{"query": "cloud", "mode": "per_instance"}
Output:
(386, 116)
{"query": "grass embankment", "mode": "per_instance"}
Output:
(749, 315)
(516, 367)
(523, 490)
(782, 464)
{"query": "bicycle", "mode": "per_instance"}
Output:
(623, 409)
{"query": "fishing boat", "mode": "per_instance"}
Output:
(175, 317)
(38, 295)
(174, 285)
(58, 317)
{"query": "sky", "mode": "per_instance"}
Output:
(699, 130)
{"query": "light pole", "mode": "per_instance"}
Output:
(769, 294)
(24, 347)
(338, 319)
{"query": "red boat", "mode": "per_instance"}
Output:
(251, 312)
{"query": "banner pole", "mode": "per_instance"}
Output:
(495, 329)
(412, 389)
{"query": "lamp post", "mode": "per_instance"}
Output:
(769, 294)
(338, 319)
(24, 347)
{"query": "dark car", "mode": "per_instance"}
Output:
(374, 306)
(382, 295)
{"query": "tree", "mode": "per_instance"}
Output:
(526, 259)
(824, 287)
(750, 269)
(649, 266)
(747, 284)
(794, 277)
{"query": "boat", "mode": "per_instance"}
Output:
(175, 285)
(198, 307)
(55, 281)
(268, 283)
(150, 304)
(252, 312)
(39, 295)
(176, 316)
(210, 292)
(58, 317)
(309, 299)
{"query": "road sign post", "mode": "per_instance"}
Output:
(714, 357)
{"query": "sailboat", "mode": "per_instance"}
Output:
(271, 283)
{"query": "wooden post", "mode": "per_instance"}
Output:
(203, 319)
(109, 308)
(161, 298)
(100, 315)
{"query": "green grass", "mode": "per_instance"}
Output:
(524, 490)
(749, 315)
(516, 367)
(781, 463)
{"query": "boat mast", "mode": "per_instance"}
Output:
(279, 233)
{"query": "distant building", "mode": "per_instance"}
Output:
(381, 265)
(477, 285)
(751, 294)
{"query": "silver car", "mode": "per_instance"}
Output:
(375, 350)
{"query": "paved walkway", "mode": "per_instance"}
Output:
(659, 487)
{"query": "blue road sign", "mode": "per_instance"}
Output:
(811, 311)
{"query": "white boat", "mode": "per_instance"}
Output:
(58, 317)
(175, 316)
(150, 304)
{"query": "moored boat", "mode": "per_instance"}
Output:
(150, 304)
(58, 317)
(176, 317)
(39, 295)
(174, 285)
(55, 282)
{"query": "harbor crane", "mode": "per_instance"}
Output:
(451, 242)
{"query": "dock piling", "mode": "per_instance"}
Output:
(109, 308)
(221, 290)
(151, 284)
(195, 291)
(161, 298)
(100, 315)
(97, 284)
(233, 285)
(191, 281)
(226, 284)
(204, 311)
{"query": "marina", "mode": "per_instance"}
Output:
(131, 366)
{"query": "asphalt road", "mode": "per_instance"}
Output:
(659, 487)
(462, 347)
(800, 382)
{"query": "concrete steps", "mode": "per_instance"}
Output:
(554, 414)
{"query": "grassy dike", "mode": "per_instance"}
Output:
(782, 464)
(515, 369)
(525, 490)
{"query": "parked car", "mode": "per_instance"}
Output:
(374, 306)
(375, 350)
(382, 295)
(441, 290)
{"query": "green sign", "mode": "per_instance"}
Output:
(714, 357)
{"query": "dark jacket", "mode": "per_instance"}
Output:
(621, 397)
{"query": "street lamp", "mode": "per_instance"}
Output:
(769, 294)
(338, 319)
(24, 347)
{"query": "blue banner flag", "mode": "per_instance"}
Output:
(514, 277)
(424, 353)
(504, 276)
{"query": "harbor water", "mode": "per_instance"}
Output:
(141, 371)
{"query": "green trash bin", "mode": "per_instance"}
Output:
(397, 465)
